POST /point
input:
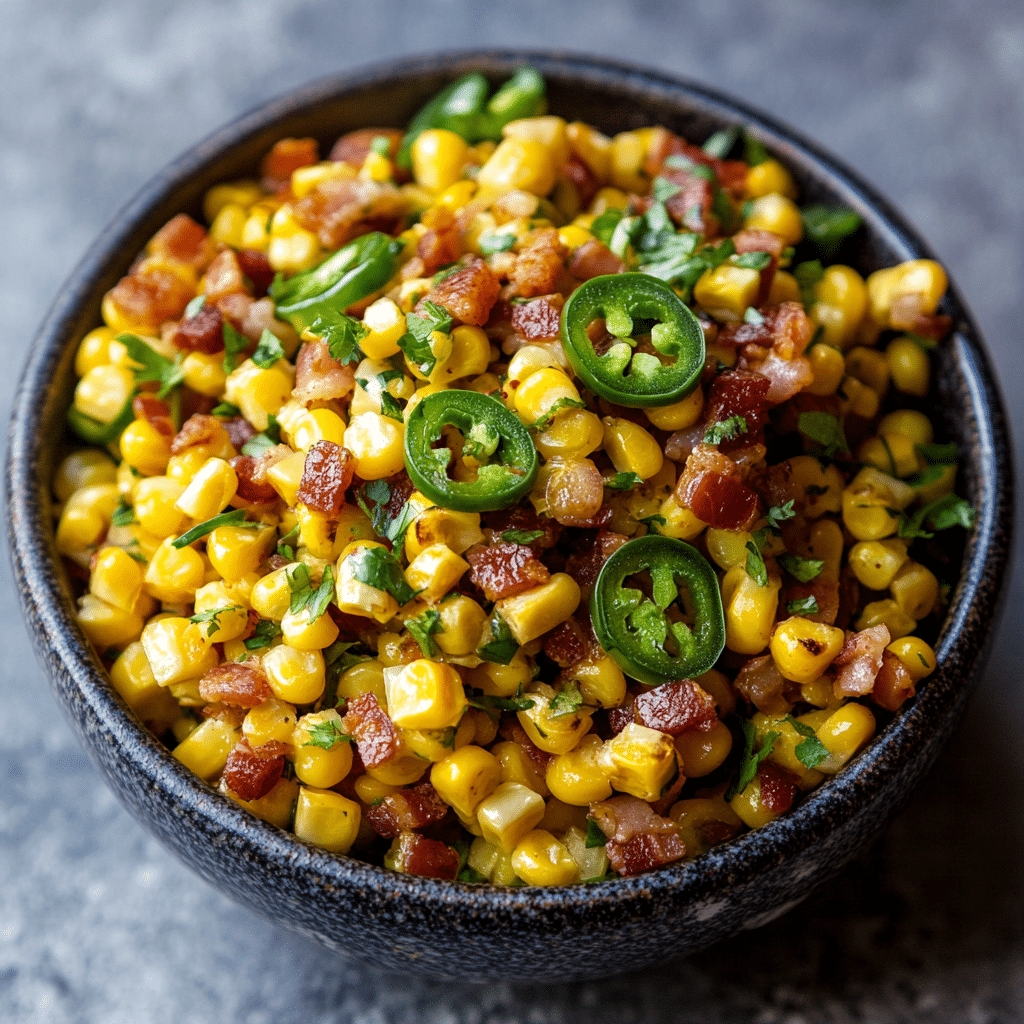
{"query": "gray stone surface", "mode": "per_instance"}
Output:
(98, 923)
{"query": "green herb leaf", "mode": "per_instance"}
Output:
(623, 481)
(416, 343)
(804, 606)
(226, 409)
(941, 514)
(825, 430)
(342, 334)
(811, 752)
(755, 566)
(422, 628)
(719, 145)
(498, 242)
(604, 224)
(725, 430)
(233, 518)
(754, 152)
(595, 835)
(304, 595)
(471, 876)
(234, 344)
(802, 569)
(751, 316)
(778, 514)
(339, 658)
(123, 515)
(548, 418)
(378, 568)
(485, 702)
(326, 735)
(827, 226)
(264, 635)
(937, 454)
(521, 536)
(194, 306)
(651, 521)
(753, 260)
(751, 760)
(286, 545)
(212, 615)
(381, 145)
(567, 701)
(502, 646)
(154, 367)
(268, 351)
(386, 523)
(807, 275)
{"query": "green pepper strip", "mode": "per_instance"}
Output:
(619, 298)
(98, 433)
(634, 629)
(490, 431)
(350, 274)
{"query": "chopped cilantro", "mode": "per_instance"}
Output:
(339, 658)
(937, 454)
(379, 568)
(811, 752)
(548, 418)
(377, 387)
(604, 224)
(304, 595)
(807, 275)
(225, 409)
(755, 564)
(802, 569)
(779, 514)
(826, 226)
(751, 760)
(941, 514)
(123, 515)
(521, 536)
(422, 628)
(623, 481)
(754, 151)
(391, 525)
(236, 517)
(651, 521)
(153, 366)
(725, 430)
(270, 437)
(485, 702)
(342, 334)
(268, 351)
(825, 430)
(234, 344)
(567, 701)
(471, 876)
(194, 306)
(497, 242)
(264, 635)
(719, 145)
(212, 615)
(753, 260)
(751, 316)
(326, 735)
(416, 343)
(501, 647)
(595, 835)
(286, 545)
(803, 606)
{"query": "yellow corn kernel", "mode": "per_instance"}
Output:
(943, 484)
(872, 502)
(318, 425)
(679, 415)
(703, 752)
(209, 491)
(368, 789)
(327, 819)
(560, 817)
(107, 625)
(434, 571)
(819, 692)
(750, 808)
(314, 532)
(679, 521)
(536, 395)
(908, 423)
(917, 288)
(228, 226)
(915, 589)
(273, 720)
(365, 677)
(550, 727)
(256, 229)
(424, 695)
(86, 517)
(727, 291)
(869, 366)
(176, 650)
(574, 434)
(548, 130)
(134, 681)
(917, 657)
(144, 448)
(718, 686)
(462, 622)
(183, 467)
(858, 397)
(438, 157)
(518, 164)
(572, 236)
(93, 350)
(232, 618)
(103, 392)
(351, 524)
(243, 192)
(828, 367)
(271, 595)
(204, 372)
(377, 444)
(371, 385)
(693, 818)
(640, 761)
(517, 767)
(540, 859)
(502, 680)
(843, 733)
(593, 148)
(601, 682)
(769, 177)
(876, 562)
(401, 770)
(321, 758)
(577, 777)
(803, 649)
(303, 635)
(295, 676)
(909, 366)
(84, 468)
(818, 489)
(116, 578)
(840, 301)
(466, 777)
(629, 150)
(776, 213)
(174, 574)
(285, 476)
(386, 323)
(531, 359)
(470, 355)
(727, 547)
(205, 751)
(457, 195)
(749, 610)
(891, 453)
(274, 807)
(784, 288)
(889, 614)
(356, 597)
(509, 813)
(236, 551)
(259, 392)
(631, 448)
(291, 248)
(532, 613)
(305, 179)
(608, 198)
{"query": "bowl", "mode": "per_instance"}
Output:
(445, 929)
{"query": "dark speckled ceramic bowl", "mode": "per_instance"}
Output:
(452, 930)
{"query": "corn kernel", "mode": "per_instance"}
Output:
(574, 434)
(438, 156)
(84, 468)
(356, 597)
(176, 650)
(466, 777)
(767, 177)
(295, 676)
(541, 390)
(273, 720)
(750, 808)
(103, 392)
(727, 291)
(907, 423)
(803, 649)
(640, 761)
(592, 147)
(749, 610)
(629, 150)
(540, 859)
(518, 164)
(507, 814)
(209, 491)
(424, 695)
(462, 623)
(840, 301)
(631, 448)
(776, 213)
(243, 192)
(915, 589)
(532, 613)
(702, 752)
(258, 392)
(470, 355)
(553, 729)
(174, 575)
(909, 366)
(303, 635)
(517, 767)
(206, 750)
(236, 551)
(377, 444)
(386, 323)
(144, 448)
(679, 522)
(134, 681)
(601, 682)
(204, 372)
(274, 807)
(315, 764)
(434, 571)
(502, 680)
(889, 614)
(917, 657)
(679, 415)
(577, 777)
(107, 625)
(327, 819)
(844, 733)
(876, 562)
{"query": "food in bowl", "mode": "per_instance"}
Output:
(503, 502)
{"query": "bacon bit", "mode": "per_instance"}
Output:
(287, 155)
(758, 240)
(512, 731)
(638, 839)
(468, 294)
(251, 471)
(429, 858)
(354, 147)
(592, 259)
(931, 325)
(860, 660)
(738, 393)
(680, 444)
(319, 376)
(367, 722)
(441, 243)
(339, 209)
(224, 277)
(586, 182)
(203, 332)
(199, 429)
(151, 298)
(760, 682)
(256, 267)
(778, 787)
(789, 414)
(620, 717)
(691, 206)
(156, 412)
(234, 308)
(539, 318)
(239, 430)
(724, 502)
(527, 520)
(540, 264)
(326, 476)
(260, 318)
(825, 593)
(407, 811)
(505, 569)
(238, 685)
(250, 774)
(566, 643)
(223, 713)
(183, 240)
(893, 685)
(584, 567)
(675, 707)
(731, 174)
(787, 376)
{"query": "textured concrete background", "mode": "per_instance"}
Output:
(98, 923)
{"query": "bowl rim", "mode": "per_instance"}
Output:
(48, 608)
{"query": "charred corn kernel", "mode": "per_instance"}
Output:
(358, 598)
(371, 384)
(285, 476)
(915, 589)
(107, 625)
(434, 571)
(518, 164)
(144, 448)
(509, 813)
(134, 681)
(206, 750)
(377, 445)
(909, 366)
(228, 226)
(554, 729)
(629, 150)
(869, 366)
(750, 808)
(631, 448)
(917, 657)
(86, 517)
(769, 177)
(532, 613)
(295, 676)
(774, 212)
(236, 551)
(530, 359)
(889, 614)
(727, 547)
(291, 247)
(318, 425)
(365, 677)
(818, 488)
(321, 758)
(784, 288)
(639, 761)
(601, 682)
(727, 291)
(386, 323)
(466, 777)
(259, 392)
(424, 695)
(433, 525)
(84, 468)
(116, 578)
(209, 491)
(470, 355)
(275, 806)
(273, 720)
(574, 434)
(243, 192)
(679, 521)
(103, 392)
(857, 397)
(703, 752)
(540, 859)
(517, 767)
(438, 157)
(577, 777)
(749, 610)
(327, 819)
(231, 619)
(204, 373)
(876, 562)
(176, 650)
(803, 649)
(843, 733)
(891, 453)
(304, 635)
(502, 680)
(536, 395)
(174, 575)
(271, 595)
(679, 415)
(608, 198)
(908, 423)
(840, 301)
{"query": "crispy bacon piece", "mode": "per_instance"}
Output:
(234, 308)
(786, 376)
(353, 147)
(199, 429)
(155, 411)
(759, 240)
(441, 243)
(638, 839)
(183, 240)
(586, 182)
(326, 475)
(539, 318)
(584, 567)
(256, 267)
(320, 377)
(675, 707)
(540, 263)
(620, 717)
(825, 593)
(723, 502)
(251, 471)
(505, 569)
(762, 684)
(731, 174)
(860, 660)
(339, 209)
(285, 156)
(224, 276)
(738, 393)
(367, 722)
(239, 430)
(893, 684)
(407, 811)
(931, 325)
(203, 332)
(260, 317)
(468, 294)
(239, 685)
(778, 787)
(251, 774)
(151, 298)
(430, 858)
(592, 259)
(525, 519)
(569, 643)
(691, 206)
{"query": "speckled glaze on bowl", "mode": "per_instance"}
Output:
(449, 930)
